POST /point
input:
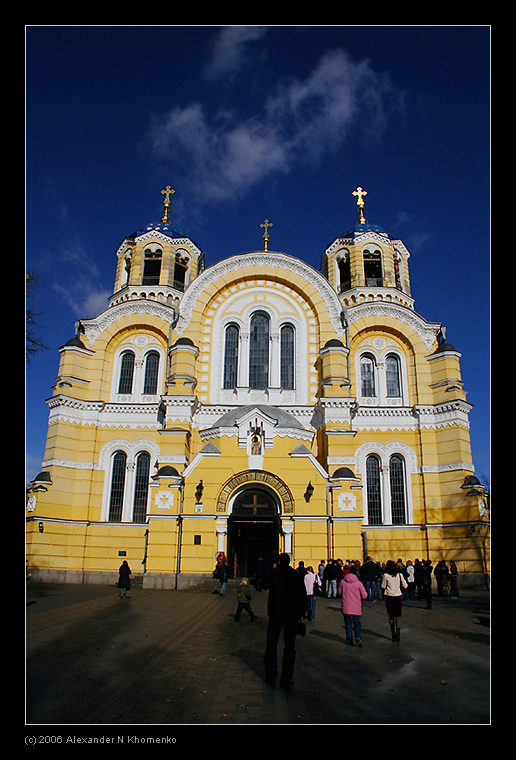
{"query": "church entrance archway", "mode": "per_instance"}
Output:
(253, 530)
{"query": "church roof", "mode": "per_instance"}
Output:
(282, 418)
(359, 229)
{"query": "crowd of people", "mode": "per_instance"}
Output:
(293, 594)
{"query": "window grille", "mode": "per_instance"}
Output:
(116, 501)
(392, 371)
(259, 352)
(374, 495)
(141, 487)
(287, 357)
(125, 384)
(397, 479)
(150, 384)
(231, 357)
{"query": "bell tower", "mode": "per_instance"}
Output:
(365, 264)
(158, 262)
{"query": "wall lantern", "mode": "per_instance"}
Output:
(309, 491)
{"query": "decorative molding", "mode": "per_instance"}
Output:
(93, 328)
(427, 331)
(288, 264)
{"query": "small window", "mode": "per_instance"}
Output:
(151, 266)
(116, 500)
(392, 373)
(150, 384)
(397, 482)
(197, 540)
(287, 357)
(367, 376)
(125, 384)
(259, 352)
(231, 356)
(141, 487)
(374, 493)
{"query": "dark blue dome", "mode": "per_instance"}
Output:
(358, 229)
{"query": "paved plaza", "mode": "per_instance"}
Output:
(165, 659)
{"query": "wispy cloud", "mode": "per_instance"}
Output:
(301, 120)
(230, 50)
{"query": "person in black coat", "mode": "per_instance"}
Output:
(124, 579)
(285, 607)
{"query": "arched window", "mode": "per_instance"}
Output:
(367, 376)
(287, 357)
(397, 483)
(151, 265)
(392, 376)
(373, 268)
(141, 487)
(116, 499)
(344, 272)
(150, 383)
(259, 352)
(231, 356)
(374, 491)
(125, 384)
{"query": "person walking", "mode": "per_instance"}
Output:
(330, 576)
(223, 577)
(244, 600)
(454, 579)
(313, 590)
(352, 591)
(124, 580)
(410, 581)
(393, 584)
(286, 606)
(368, 573)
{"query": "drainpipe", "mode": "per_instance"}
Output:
(180, 530)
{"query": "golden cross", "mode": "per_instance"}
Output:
(360, 203)
(266, 224)
(166, 205)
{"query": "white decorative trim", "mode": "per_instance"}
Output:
(427, 331)
(281, 261)
(93, 328)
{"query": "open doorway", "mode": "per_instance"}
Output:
(253, 531)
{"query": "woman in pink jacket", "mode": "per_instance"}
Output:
(352, 591)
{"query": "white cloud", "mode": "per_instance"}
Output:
(230, 49)
(301, 120)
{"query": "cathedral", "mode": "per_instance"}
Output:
(253, 407)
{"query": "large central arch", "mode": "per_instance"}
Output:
(254, 501)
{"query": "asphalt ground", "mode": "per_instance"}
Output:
(166, 661)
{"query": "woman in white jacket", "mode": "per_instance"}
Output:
(393, 584)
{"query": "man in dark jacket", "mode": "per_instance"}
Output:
(286, 606)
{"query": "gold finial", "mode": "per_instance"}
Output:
(360, 203)
(266, 224)
(166, 204)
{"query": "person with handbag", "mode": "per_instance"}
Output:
(393, 585)
(313, 590)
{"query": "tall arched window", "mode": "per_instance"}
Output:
(367, 375)
(116, 499)
(287, 357)
(373, 268)
(374, 491)
(259, 352)
(141, 487)
(397, 483)
(150, 383)
(125, 384)
(392, 376)
(231, 356)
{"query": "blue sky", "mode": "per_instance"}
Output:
(255, 122)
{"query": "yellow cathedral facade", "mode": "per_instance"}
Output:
(253, 407)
